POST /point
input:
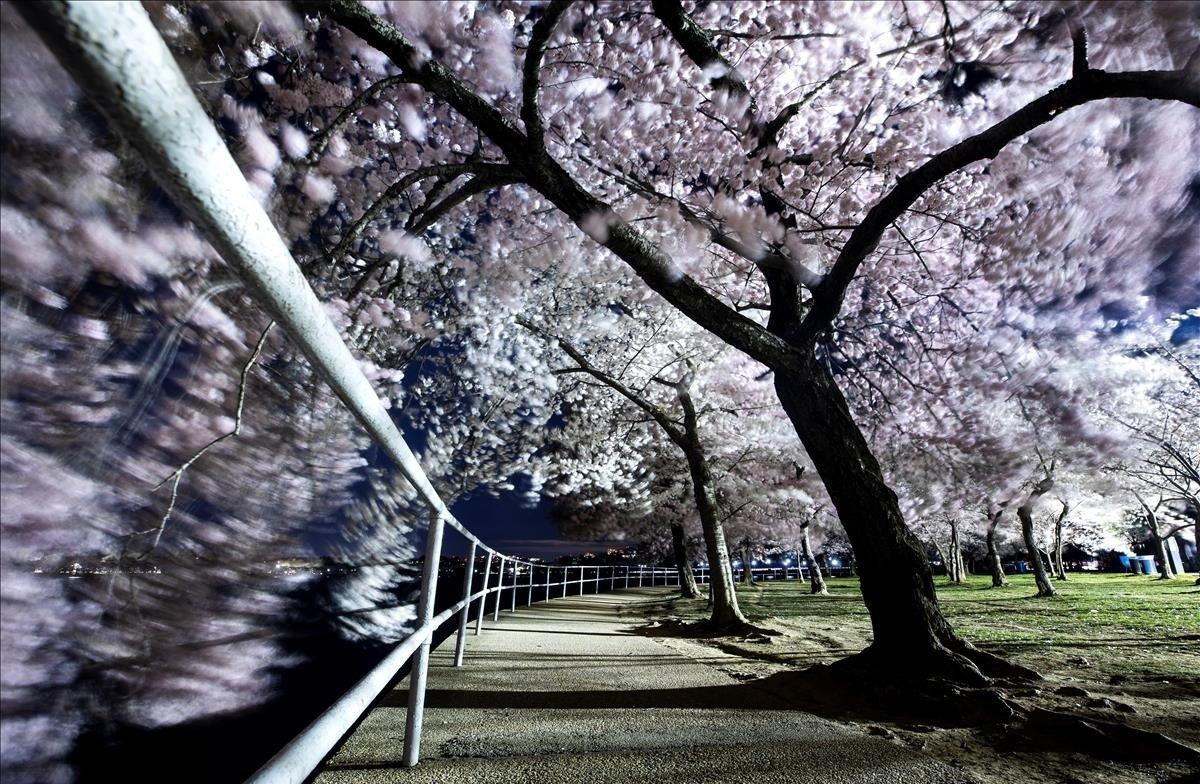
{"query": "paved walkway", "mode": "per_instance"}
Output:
(564, 691)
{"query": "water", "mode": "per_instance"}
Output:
(229, 748)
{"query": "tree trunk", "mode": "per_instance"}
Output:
(1160, 554)
(1160, 549)
(993, 553)
(747, 572)
(909, 632)
(815, 579)
(1156, 539)
(721, 594)
(1060, 571)
(1025, 514)
(725, 610)
(687, 578)
(956, 572)
(941, 554)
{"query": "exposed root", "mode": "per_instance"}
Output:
(996, 666)
(707, 629)
(860, 693)
(1049, 730)
(938, 663)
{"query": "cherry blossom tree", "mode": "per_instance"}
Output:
(821, 187)
(1156, 406)
(791, 223)
(678, 417)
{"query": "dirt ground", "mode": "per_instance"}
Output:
(1116, 652)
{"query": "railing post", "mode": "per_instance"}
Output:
(499, 589)
(529, 599)
(641, 572)
(514, 586)
(461, 644)
(420, 666)
(626, 576)
(487, 575)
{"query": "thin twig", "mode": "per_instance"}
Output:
(177, 475)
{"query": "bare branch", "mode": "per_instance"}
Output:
(1079, 55)
(498, 175)
(496, 171)
(177, 475)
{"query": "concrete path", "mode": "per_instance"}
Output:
(565, 691)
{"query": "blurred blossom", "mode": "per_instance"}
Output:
(1002, 324)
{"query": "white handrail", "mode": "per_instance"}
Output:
(114, 51)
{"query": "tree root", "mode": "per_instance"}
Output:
(995, 666)
(674, 627)
(1048, 730)
(939, 663)
(856, 690)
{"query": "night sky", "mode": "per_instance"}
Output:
(507, 524)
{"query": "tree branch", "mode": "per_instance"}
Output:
(699, 46)
(496, 171)
(177, 475)
(323, 138)
(538, 39)
(496, 176)
(659, 416)
(543, 173)
(1091, 86)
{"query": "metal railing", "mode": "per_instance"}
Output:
(115, 53)
(781, 573)
(305, 753)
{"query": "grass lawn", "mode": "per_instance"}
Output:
(1117, 648)
(1123, 625)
